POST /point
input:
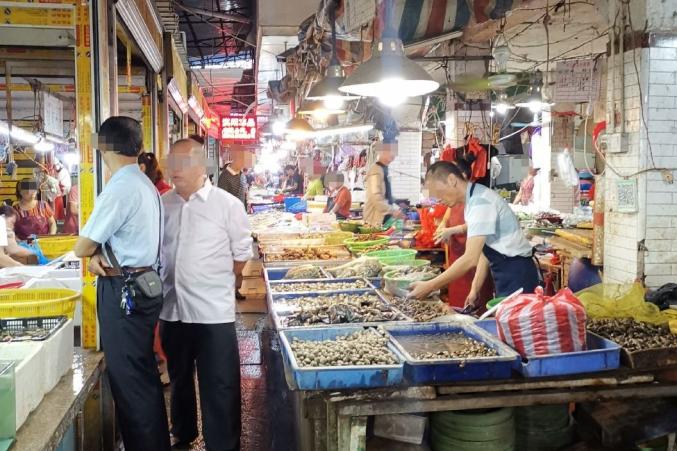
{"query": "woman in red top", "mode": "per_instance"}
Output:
(150, 166)
(34, 216)
(340, 200)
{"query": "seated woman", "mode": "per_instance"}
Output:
(35, 217)
(12, 249)
(341, 199)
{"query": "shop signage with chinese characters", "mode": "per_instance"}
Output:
(238, 128)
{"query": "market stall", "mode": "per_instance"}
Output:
(367, 365)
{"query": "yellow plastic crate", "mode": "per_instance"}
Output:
(56, 246)
(33, 302)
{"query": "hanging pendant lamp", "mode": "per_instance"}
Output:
(299, 128)
(389, 75)
(318, 109)
(327, 89)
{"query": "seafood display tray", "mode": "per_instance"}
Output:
(601, 355)
(290, 263)
(272, 274)
(441, 371)
(270, 284)
(273, 283)
(337, 377)
(279, 313)
(22, 328)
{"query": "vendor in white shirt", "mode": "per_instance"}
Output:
(495, 239)
(207, 241)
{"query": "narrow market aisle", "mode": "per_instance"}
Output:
(267, 417)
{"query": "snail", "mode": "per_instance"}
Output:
(364, 347)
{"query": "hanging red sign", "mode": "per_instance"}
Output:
(238, 128)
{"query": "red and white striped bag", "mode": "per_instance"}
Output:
(534, 324)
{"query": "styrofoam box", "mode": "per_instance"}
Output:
(74, 284)
(58, 355)
(402, 427)
(28, 373)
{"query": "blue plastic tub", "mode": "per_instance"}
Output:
(443, 371)
(376, 282)
(294, 204)
(601, 355)
(337, 377)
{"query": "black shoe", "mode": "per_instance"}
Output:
(239, 296)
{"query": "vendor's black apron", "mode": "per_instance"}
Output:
(510, 273)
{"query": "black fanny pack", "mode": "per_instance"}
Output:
(149, 284)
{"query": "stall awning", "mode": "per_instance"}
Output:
(416, 20)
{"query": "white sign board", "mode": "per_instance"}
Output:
(405, 171)
(52, 114)
(576, 81)
(358, 13)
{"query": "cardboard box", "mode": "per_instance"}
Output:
(253, 268)
(253, 287)
(252, 305)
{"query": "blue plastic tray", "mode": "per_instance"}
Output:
(337, 377)
(376, 282)
(273, 283)
(273, 274)
(279, 312)
(443, 371)
(601, 355)
(280, 298)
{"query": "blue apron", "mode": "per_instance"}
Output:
(510, 273)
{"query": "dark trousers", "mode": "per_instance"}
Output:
(213, 349)
(134, 379)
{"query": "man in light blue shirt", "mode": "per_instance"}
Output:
(127, 216)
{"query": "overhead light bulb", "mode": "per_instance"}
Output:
(502, 108)
(334, 102)
(390, 92)
(535, 106)
(491, 114)
(43, 146)
(279, 127)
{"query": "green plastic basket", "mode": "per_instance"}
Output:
(352, 227)
(410, 263)
(368, 229)
(400, 287)
(359, 245)
(389, 257)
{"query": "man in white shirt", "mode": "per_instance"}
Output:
(207, 241)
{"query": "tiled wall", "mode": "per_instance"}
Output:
(643, 243)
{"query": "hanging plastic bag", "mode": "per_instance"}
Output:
(425, 238)
(534, 324)
(566, 169)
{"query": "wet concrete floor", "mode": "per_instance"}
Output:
(267, 416)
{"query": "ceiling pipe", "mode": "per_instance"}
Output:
(215, 14)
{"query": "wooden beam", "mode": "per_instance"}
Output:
(507, 399)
